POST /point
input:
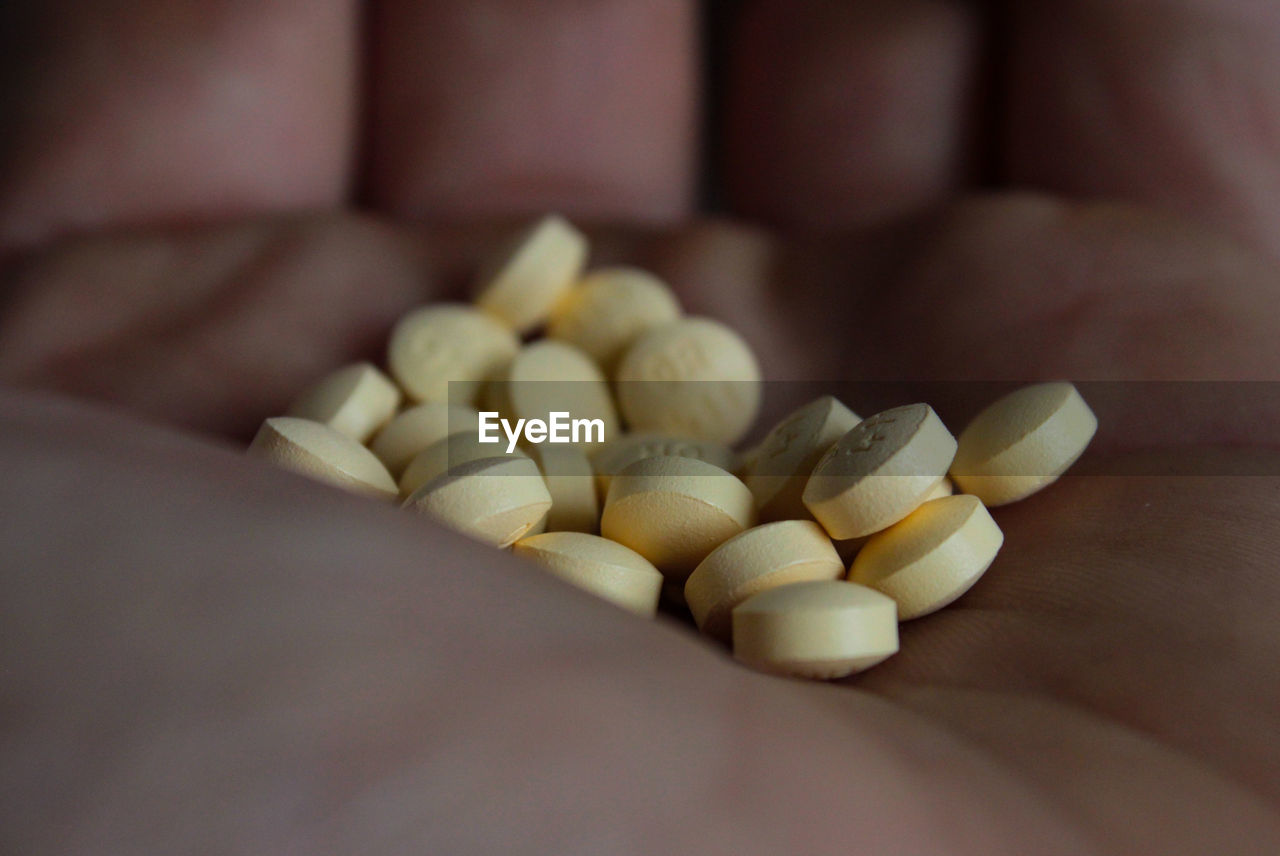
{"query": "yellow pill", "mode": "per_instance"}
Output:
(941, 489)
(674, 511)
(521, 286)
(693, 377)
(609, 309)
(849, 547)
(355, 400)
(603, 567)
(880, 471)
(575, 507)
(761, 558)
(417, 428)
(822, 629)
(549, 377)
(618, 454)
(1023, 442)
(444, 455)
(932, 557)
(435, 346)
(496, 500)
(782, 465)
(322, 453)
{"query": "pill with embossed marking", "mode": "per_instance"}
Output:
(880, 471)
(446, 351)
(693, 377)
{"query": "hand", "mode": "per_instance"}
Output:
(201, 654)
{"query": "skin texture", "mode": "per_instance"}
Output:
(202, 654)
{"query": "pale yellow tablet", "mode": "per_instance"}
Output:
(448, 343)
(443, 455)
(781, 466)
(618, 454)
(415, 429)
(575, 507)
(521, 285)
(674, 511)
(322, 453)
(603, 567)
(355, 400)
(929, 559)
(609, 309)
(549, 377)
(1023, 442)
(495, 500)
(822, 629)
(693, 377)
(760, 558)
(880, 471)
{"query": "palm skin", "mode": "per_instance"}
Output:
(203, 655)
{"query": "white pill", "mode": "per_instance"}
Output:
(929, 559)
(693, 377)
(496, 500)
(609, 309)
(549, 377)
(603, 567)
(355, 400)
(575, 507)
(822, 629)
(522, 285)
(880, 471)
(764, 557)
(1023, 442)
(417, 428)
(435, 346)
(786, 457)
(618, 454)
(444, 455)
(322, 453)
(674, 511)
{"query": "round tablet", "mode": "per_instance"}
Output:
(521, 286)
(764, 557)
(496, 500)
(1023, 442)
(322, 453)
(435, 346)
(674, 511)
(575, 507)
(618, 454)
(602, 567)
(355, 400)
(693, 377)
(609, 309)
(932, 557)
(822, 629)
(417, 428)
(552, 377)
(789, 452)
(443, 455)
(880, 471)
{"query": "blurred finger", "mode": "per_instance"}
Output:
(492, 108)
(1171, 103)
(845, 114)
(158, 111)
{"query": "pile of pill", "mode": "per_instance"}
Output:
(803, 552)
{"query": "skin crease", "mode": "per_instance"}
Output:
(205, 655)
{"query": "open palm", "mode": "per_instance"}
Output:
(201, 655)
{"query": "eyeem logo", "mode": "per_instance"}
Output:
(558, 429)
